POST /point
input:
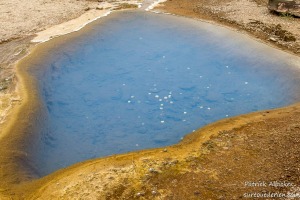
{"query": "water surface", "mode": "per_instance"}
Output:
(139, 80)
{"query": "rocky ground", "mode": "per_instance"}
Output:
(251, 16)
(21, 20)
(212, 163)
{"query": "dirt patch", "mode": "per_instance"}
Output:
(244, 15)
(221, 161)
(21, 20)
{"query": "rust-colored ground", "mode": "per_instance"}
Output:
(248, 16)
(215, 162)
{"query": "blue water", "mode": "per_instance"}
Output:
(139, 80)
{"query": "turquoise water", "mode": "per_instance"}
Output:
(139, 80)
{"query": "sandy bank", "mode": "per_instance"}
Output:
(248, 16)
(43, 20)
(103, 9)
(212, 162)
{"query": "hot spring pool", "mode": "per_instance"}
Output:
(139, 80)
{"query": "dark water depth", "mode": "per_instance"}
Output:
(139, 80)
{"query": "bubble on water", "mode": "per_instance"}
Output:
(159, 99)
(149, 93)
(184, 120)
(162, 121)
(161, 108)
(200, 107)
(171, 102)
(227, 66)
(156, 96)
(246, 83)
(161, 104)
(165, 98)
(124, 84)
(208, 108)
(188, 68)
(169, 96)
(128, 101)
(185, 112)
(132, 97)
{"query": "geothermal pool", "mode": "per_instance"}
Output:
(139, 80)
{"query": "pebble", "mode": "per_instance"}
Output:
(152, 170)
(272, 39)
(140, 194)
